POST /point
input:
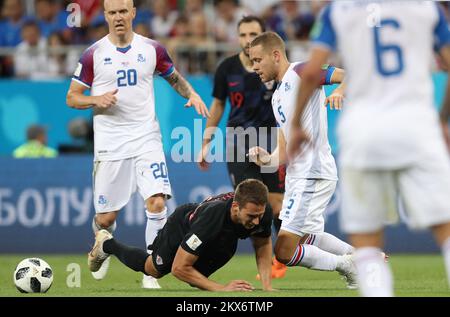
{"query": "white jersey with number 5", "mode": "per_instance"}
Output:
(316, 162)
(389, 120)
(129, 128)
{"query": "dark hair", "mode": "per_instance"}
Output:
(250, 19)
(30, 23)
(251, 191)
(34, 131)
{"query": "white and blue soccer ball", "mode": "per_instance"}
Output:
(33, 275)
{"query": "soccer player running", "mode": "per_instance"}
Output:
(199, 239)
(250, 101)
(118, 70)
(310, 178)
(392, 143)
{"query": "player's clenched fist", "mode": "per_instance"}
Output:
(259, 156)
(107, 100)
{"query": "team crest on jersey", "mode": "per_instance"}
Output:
(107, 61)
(287, 87)
(102, 200)
(194, 242)
(141, 58)
(159, 260)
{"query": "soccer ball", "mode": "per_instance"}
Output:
(33, 275)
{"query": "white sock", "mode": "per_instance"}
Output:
(96, 227)
(155, 222)
(313, 258)
(446, 254)
(374, 274)
(329, 243)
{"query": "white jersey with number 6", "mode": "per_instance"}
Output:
(389, 120)
(129, 128)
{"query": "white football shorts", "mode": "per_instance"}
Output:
(115, 181)
(370, 198)
(304, 203)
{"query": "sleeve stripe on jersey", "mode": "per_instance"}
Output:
(441, 31)
(80, 82)
(169, 72)
(330, 72)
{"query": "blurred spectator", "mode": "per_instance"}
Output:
(50, 18)
(180, 29)
(56, 60)
(163, 20)
(228, 14)
(199, 38)
(36, 145)
(260, 7)
(189, 46)
(289, 22)
(143, 15)
(11, 26)
(60, 64)
(30, 60)
(143, 29)
(98, 29)
(81, 130)
(192, 7)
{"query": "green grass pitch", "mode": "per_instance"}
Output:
(415, 275)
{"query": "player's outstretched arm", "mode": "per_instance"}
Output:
(181, 85)
(216, 112)
(445, 110)
(76, 99)
(183, 269)
(263, 252)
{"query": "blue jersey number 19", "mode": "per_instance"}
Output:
(381, 50)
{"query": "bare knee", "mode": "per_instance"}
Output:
(441, 232)
(106, 220)
(156, 204)
(285, 246)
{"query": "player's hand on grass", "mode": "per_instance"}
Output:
(197, 102)
(203, 165)
(259, 156)
(238, 285)
(335, 100)
(107, 100)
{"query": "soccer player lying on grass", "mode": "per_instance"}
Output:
(199, 239)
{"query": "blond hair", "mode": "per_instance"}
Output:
(269, 41)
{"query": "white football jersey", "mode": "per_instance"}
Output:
(129, 128)
(389, 120)
(316, 161)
